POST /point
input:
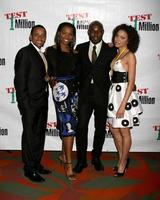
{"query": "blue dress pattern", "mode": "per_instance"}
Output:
(66, 111)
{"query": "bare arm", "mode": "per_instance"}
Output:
(131, 60)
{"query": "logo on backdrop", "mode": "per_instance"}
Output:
(12, 92)
(2, 61)
(143, 22)
(19, 20)
(3, 131)
(156, 129)
(144, 97)
(51, 129)
(80, 20)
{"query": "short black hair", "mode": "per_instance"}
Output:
(37, 26)
(98, 23)
(133, 36)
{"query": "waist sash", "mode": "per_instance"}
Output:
(119, 77)
(65, 78)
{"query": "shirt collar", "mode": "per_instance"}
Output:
(36, 47)
(98, 45)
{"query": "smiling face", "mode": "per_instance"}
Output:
(121, 39)
(95, 33)
(66, 36)
(38, 37)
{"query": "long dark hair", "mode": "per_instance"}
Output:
(59, 29)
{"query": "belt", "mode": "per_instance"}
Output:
(65, 78)
(119, 77)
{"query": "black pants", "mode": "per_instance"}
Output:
(34, 122)
(85, 111)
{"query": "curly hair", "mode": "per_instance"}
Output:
(133, 36)
(59, 29)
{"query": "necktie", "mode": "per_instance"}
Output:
(44, 60)
(94, 54)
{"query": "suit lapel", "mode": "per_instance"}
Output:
(101, 52)
(86, 49)
(41, 62)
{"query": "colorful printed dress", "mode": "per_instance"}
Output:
(63, 66)
(116, 95)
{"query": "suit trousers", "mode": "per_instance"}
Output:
(34, 122)
(85, 111)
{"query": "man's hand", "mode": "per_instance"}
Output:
(110, 44)
(52, 82)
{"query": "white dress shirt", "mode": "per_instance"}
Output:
(98, 48)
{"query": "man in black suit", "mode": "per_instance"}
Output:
(95, 57)
(32, 97)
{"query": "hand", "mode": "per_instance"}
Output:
(110, 44)
(120, 112)
(52, 82)
(135, 88)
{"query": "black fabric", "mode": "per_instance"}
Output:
(119, 77)
(32, 98)
(61, 63)
(93, 98)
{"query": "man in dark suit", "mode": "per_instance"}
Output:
(32, 97)
(95, 57)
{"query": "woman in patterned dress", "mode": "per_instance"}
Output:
(63, 71)
(124, 105)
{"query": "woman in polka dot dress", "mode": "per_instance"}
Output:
(124, 106)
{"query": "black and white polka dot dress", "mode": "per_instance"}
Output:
(116, 94)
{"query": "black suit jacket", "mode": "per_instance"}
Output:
(98, 71)
(29, 78)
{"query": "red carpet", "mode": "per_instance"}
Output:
(141, 181)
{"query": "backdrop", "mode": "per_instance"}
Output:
(18, 17)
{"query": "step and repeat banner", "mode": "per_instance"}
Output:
(16, 21)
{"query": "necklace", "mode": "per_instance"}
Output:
(118, 56)
(114, 60)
